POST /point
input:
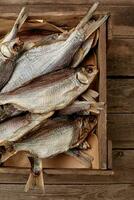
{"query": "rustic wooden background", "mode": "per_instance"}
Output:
(120, 64)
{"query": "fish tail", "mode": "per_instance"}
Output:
(21, 18)
(35, 181)
(87, 16)
(94, 26)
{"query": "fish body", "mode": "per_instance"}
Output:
(50, 92)
(44, 59)
(54, 137)
(9, 52)
(10, 47)
(47, 58)
(9, 127)
(18, 127)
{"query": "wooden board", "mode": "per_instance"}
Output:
(121, 2)
(121, 95)
(69, 15)
(121, 175)
(121, 130)
(120, 60)
(70, 192)
(102, 118)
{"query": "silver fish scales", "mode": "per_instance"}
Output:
(46, 58)
(50, 92)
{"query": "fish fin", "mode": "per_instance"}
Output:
(40, 181)
(56, 27)
(93, 93)
(88, 16)
(34, 181)
(84, 145)
(94, 26)
(21, 18)
(81, 157)
(90, 95)
(6, 155)
(96, 107)
(17, 25)
(81, 53)
(36, 176)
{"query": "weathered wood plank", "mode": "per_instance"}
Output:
(102, 121)
(68, 15)
(28, 2)
(120, 96)
(123, 159)
(121, 131)
(67, 192)
(123, 162)
(120, 59)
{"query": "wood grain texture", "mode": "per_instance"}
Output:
(123, 162)
(120, 59)
(70, 192)
(102, 121)
(121, 130)
(121, 96)
(122, 18)
(28, 2)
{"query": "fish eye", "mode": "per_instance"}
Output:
(89, 69)
(15, 47)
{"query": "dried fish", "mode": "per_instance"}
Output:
(10, 47)
(9, 52)
(96, 107)
(52, 57)
(52, 138)
(50, 92)
(8, 128)
(32, 122)
(75, 107)
(7, 111)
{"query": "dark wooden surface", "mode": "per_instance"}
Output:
(120, 67)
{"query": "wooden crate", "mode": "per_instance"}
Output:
(104, 146)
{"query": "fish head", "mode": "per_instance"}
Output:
(86, 74)
(89, 123)
(86, 125)
(12, 48)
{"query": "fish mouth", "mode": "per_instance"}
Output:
(18, 44)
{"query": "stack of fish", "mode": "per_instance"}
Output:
(47, 106)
